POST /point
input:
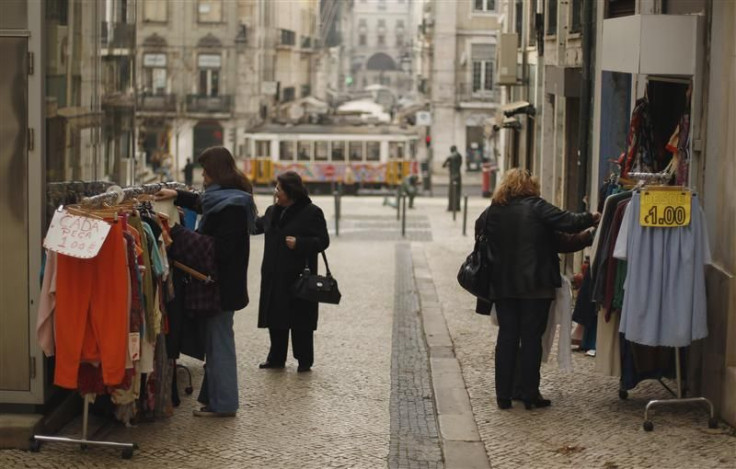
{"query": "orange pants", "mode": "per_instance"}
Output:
(92, 312)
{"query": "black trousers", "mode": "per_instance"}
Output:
(302, 345)
(521, 325)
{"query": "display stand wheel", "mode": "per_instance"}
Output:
(648, 425)
(83, 447)
(623, 394)
(189, 390)
(127, 453)
(35, 446)
(712, 422)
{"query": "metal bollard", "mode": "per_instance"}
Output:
(337, 212)
(465, 215)
(403, 217)
(398, 203)
(453, 202)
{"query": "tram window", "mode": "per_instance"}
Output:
(373, 151)
(304, 151)
(394, 149)
(263, 149)
(286, 151)
(338, 151)
(320, 151)
(356, 151)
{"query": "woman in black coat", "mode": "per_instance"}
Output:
(296, 232)
(523, 232)
(228, 215)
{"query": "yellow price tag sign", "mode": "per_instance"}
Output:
(665, 208)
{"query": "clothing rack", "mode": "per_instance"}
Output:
(678, 398)
(118, 195)
(127, 448)
(114, 195)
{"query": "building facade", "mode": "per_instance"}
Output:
(463, 92)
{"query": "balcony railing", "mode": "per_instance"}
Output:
(157, 103)
(198, 103)
(465, 94)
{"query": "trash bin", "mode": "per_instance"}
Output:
(486, 179)
(426, 176)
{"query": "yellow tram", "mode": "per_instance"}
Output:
(367, 156)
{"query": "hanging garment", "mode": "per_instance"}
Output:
(560, 315)
(91, 305)
(168, 208)
(664, 301)
(640, 154)
(608, 350)
(46, 306)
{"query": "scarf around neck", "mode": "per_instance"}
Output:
(216, 198)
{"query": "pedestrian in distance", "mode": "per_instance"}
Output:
(228, 215)
(455, 163)
(188, 172)
(295, 233)
(524, 234)
(408, 189)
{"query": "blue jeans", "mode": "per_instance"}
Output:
(219, 389)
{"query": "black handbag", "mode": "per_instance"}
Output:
(475, 273)
(317, 288)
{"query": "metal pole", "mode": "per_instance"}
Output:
(453, 202)
(678, 375)
(403, 218)
(398, 203)
(465, 215)
(85, 416)
(337, 212)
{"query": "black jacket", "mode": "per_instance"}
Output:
(281, 266)
(229, 227)
(524, 244)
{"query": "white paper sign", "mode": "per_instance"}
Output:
(423, 118)
(76, 236)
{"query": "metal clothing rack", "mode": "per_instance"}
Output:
(127, 448)
(678, 398)
(111, 197)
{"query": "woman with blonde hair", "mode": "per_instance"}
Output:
(521, 230)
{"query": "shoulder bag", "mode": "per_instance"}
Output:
(317, 288)
(475, 273)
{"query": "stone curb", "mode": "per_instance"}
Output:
(459, 436)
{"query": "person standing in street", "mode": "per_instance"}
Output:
(228, 215)
(188, 173)
(295, 233)
(455, 163)
(522, 233)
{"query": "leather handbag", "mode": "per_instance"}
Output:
(317, 288)
(475, 273)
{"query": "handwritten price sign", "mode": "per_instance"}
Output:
(76, 236)
(665, 208)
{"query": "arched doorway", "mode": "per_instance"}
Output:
(206, 134)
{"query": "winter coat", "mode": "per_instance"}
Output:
(278, 308)
(524, 245)
(229, 227)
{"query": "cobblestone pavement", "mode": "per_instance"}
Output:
(587, 425)
(414, 438)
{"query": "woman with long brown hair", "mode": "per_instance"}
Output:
(228, 215)
(521, 229)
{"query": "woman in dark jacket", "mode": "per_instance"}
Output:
(295, 231)
(521, 228)
(228, 215)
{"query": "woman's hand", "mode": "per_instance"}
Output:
(291, 242)
(165, 194)
(596, 218)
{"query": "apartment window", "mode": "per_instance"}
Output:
(306, 90)
(362, 23)
(619, 8)
(155, 11)
(288, 37)
(362, 40)
(381, 4)
(399, 40)
(288, 94)
(399, 24)
(482, 56)
(576, 13)
(381, 23)
(209, 74)
(209, 11)
(381, 40)
(485, 5)
(551, 18)
(154, 74)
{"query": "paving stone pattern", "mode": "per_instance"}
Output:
(382, 227)
(414, 436)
